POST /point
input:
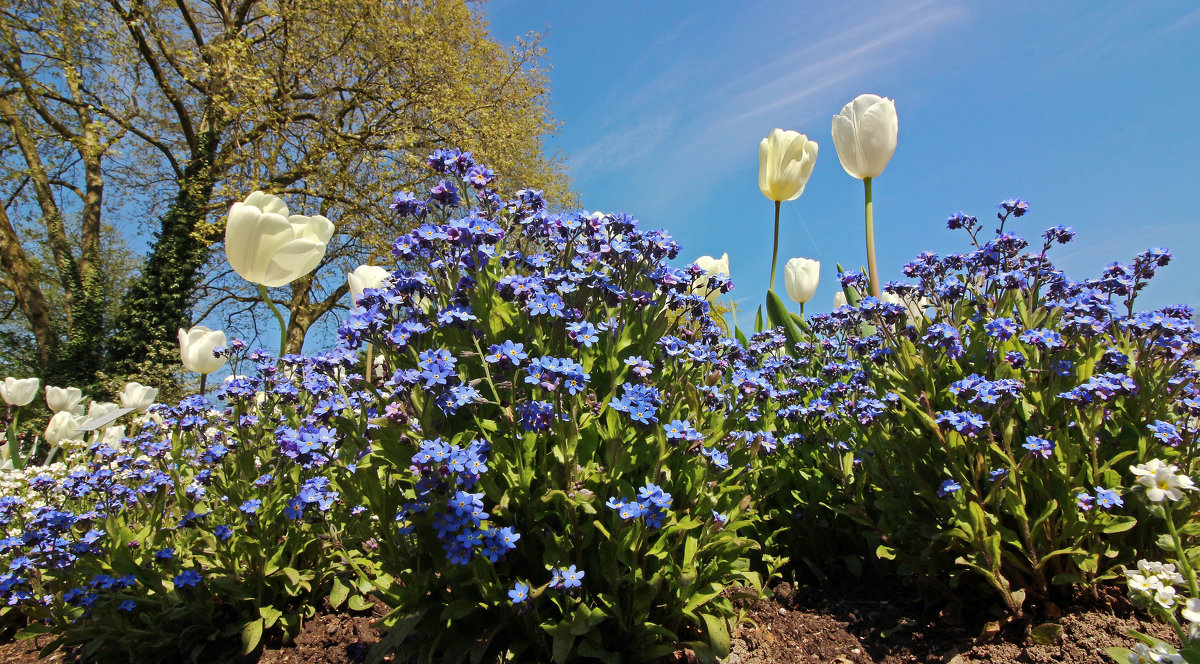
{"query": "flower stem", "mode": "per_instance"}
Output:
(262, 291)
(1188, 573)
(872, 270)
(775, 248)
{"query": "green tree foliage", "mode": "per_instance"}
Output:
(144, 110)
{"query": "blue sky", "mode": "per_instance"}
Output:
(1088, 110)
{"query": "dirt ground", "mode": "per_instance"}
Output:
(858, 623)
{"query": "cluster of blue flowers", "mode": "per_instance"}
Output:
(651, 506)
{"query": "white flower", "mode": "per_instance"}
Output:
(712, 267)
(800, 279)
(1165, 597)
(113, 435)
(839, 299)
(196, 349)
(864, 134)
(266, 245)
(1191, 610)
(1147, 585)
(99, 409)
(785, 162)
(62, 398)
(364, 277)
(1142, 654)
(61, 427)
(1161, 480)
(138, 397)
(19, 391)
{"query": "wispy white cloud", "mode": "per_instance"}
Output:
(679, 112)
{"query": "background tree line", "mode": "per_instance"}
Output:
(128, 118)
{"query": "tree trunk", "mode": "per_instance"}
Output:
(159, 302)
(28, 294)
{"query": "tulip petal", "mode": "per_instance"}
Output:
(846, 143)
(267, 203)
(251, 237)
(292, 260)
(315, 227)
(877, 129)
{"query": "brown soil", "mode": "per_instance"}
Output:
(856, 624)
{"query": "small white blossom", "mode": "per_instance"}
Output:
(1161, 480)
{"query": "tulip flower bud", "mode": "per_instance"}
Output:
(712, 266)
(267, 246)
(785, 162)
(800, 277)
(61, 427)
(839, 299)
(364, 277)
(19, 392)
(864, 134)
(138, 397)
(63, 399)
(196, 349)
(99, 409)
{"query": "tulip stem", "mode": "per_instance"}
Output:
(872, 271)
(775, 248)
(262, 291)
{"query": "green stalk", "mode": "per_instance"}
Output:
(262, 291)
(1189, 573)
(14, 445)
(775, 249)
(872, 270)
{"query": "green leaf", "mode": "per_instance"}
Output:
(779, 316)
(251, 635)
(269, 615)
(758, 321)
(338, 593)
(1119, 654)
(741, 336)
(884, 553)
(359, 603)
(1120, 524)
(563, 639)
(1047, 633)
(718, 634)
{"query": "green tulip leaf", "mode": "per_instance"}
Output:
(778, 314)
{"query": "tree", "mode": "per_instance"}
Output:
(188, 105)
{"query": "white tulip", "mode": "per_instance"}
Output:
(266, 245)
(364, 277)
(60, 399)
(61, 427)
(800, 277)
(113, 435)
(99, 409)
(713, 266)
(19, 391)
(785, 162)
(138, 397)
(864, 134)
(839, 299)
(196, 349)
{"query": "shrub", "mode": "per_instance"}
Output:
(990, 435)
(539, 469)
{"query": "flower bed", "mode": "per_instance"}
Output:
(535, 442)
